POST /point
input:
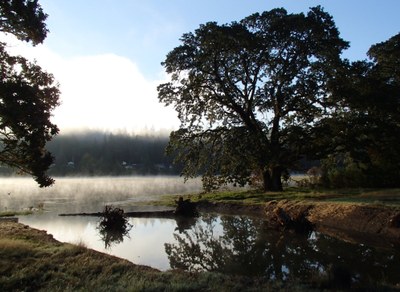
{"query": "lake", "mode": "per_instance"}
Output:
(90, 194)
(229, 244)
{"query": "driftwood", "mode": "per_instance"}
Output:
(138, 214)
(185, 215)
(8, 219)
(184, 208)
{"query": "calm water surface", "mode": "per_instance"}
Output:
(231, 244)
(228, 244)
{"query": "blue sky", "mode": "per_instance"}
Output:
(145, 31)
(106, 54)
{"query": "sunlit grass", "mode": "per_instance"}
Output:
(15, 213)
(389, 197)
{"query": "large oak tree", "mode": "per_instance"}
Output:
(27, 94)
(249, 92)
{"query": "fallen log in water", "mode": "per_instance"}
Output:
(136, 214)
(184, 208)
(155, 214)
(9, 219)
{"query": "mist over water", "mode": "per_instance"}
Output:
(145, 243)
(90, 194)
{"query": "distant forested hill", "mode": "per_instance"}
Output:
(98, 153)
(95, 153)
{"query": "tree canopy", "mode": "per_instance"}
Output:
(248, 94)
(27, 94)
(23, 18)
(366, 123)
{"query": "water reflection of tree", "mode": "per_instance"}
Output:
(112, 237)
(239, 250)
(184, 223)
(246, 247)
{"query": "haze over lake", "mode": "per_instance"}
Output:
(90, 194)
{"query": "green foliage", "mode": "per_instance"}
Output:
(23, 18)
(248, 92)
(27, 95)
(366, 127)
(342, 172)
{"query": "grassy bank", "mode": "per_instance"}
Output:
(15, 213)
(32, 260)
(385, 197)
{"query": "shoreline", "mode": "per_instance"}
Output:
(33, 260)
(354, 222)
(26, 248)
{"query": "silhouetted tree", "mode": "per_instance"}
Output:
(247, 94)
(27, 94)
(366, 126)
(23, 18)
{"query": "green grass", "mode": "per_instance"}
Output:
(28, 211)
(15, 213)
(386, 197)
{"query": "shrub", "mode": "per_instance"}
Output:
(113, 225)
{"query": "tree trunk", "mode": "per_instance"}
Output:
(272, 181)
